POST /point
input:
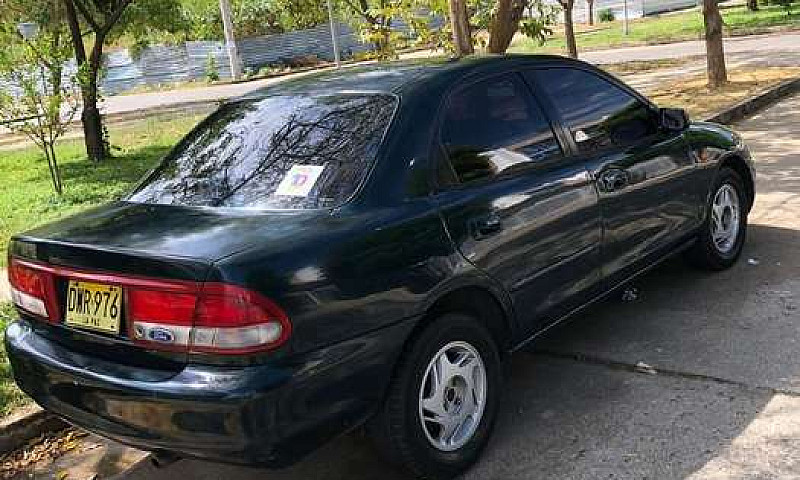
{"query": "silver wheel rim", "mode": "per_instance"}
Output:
(725, 213)
(452, 396)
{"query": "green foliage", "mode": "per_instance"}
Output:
(212, 71)
(39, 104)
(541, 16)
(250, 17)
(606, 15)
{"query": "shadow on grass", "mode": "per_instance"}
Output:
(86, 182)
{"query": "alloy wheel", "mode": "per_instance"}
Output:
(452, 396)
(725, 212)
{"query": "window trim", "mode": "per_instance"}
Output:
(438, 151)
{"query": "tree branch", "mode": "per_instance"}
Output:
(86, 14)
(112, 19)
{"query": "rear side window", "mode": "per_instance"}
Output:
(283, 152)
(598, 113)
(494, 127)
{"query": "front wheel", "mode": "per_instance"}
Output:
(721, 238)
(443, 400)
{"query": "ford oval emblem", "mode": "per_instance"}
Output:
(161, 335)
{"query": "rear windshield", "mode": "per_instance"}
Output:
(283, 152)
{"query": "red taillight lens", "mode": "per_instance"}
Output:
(231, 319)
(30, 289)
(155, 307)
(219, 318)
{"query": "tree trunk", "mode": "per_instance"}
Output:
(96, 147)
(569, 29)
(90, 116)
(715, 51)
(459, 21)
(590, 12)
(752, 5)
(505, 24)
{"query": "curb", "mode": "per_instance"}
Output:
(31, 422)
(747, 107)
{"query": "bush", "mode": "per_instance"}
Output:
(212, 71)
(606, 15)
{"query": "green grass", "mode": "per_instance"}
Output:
(27, 198)
(10, 396)
(665, 28)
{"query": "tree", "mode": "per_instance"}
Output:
(38, 102)
(105, 20)
(569, 28)
(504, 19)
(715, 51)
(590, 12)
(505, 23)
(752, 5)
(462, 34)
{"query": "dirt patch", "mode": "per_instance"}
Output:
(693, 93)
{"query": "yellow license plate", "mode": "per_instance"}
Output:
(94, 306)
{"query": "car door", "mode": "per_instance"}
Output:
(513, 204)
(646, 177)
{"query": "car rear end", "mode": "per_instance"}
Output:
(131, 325)
(149, 361)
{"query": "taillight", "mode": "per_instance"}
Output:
(31, 289)
(218, 318)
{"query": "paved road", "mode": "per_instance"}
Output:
(726, 400)
(761, 49)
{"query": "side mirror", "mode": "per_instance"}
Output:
(673, 119)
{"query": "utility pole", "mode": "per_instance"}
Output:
(230, 39)
(625, 28)
(334, 35)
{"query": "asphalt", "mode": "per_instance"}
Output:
(697, 378)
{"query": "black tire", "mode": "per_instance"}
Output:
(705, 253)
(397, 429)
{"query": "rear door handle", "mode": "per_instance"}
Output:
(613, 179)
(486, 226)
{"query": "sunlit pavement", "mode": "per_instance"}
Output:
(723, 403)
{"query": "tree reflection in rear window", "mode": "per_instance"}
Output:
(282, 152)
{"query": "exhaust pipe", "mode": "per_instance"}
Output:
(163, 459)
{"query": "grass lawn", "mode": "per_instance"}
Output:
(27, 198)
(10, 396)
(663, 29)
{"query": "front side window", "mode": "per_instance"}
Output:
(598, 113)
(283, 152)
(494, 127)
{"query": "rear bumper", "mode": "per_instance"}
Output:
(259, 415)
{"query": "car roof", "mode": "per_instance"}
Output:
(398, 77)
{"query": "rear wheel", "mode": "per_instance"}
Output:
(443, 400)
(721, 238)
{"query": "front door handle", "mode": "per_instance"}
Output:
(613, 179)
(486, 226)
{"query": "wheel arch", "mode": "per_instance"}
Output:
(489, 305)
(736, 163)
